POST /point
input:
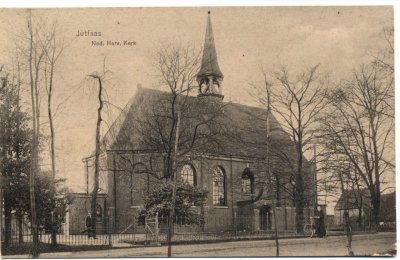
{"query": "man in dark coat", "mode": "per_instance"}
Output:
(88, 223)
(321, 231)
(93, 227)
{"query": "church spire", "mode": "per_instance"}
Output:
(210, 76)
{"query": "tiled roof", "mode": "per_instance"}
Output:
(241, 129)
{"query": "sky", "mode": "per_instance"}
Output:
(247, 39)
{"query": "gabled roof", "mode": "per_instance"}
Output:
(244, 135)
(351, 199)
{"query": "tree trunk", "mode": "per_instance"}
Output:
(52, 150)
(375, 201)
(35, 141)
(53, 230)
(7, 222)
(96, 160)
(299, 198)
(299, 186)
(35, 233)
(349, 234)
(269, 176)
(359, 220)
(174, 177)
(276, 229)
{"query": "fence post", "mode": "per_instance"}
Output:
(108, 227)
(199, 223)
(286, 224)
(236, 223)
(156, 226)
(134, 229)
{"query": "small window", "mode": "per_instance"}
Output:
(219, 187)
(247, 181)
(246, 184)
(99, 213)
(187, 175)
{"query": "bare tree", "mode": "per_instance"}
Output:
(297, 103)
(384, 58)
(268, 90)
(31, 55)
(361, 123)
(177, 124)
(93, 201)
(338, 168)
(52, 48)
(177, 68)
(35, 61)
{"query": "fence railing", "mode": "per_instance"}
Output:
(127, 230)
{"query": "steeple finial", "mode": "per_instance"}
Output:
(210, 76)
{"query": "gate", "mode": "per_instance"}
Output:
(152, 229)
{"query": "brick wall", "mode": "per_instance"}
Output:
(78, 210)
(128, 181)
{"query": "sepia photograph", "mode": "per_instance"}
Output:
(203, 131)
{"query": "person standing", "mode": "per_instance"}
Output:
(93, 219)
(321, 231)
(89, 225)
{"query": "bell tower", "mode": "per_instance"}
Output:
(210, 76)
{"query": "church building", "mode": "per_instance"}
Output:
(230, 164)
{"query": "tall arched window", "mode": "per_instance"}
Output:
(187, 174)
(247, 181)
(219, 187)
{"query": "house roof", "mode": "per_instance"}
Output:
(351, 199)
(244, 126)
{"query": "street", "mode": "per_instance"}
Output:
(332, 246)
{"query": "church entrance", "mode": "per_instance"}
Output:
(265, 218)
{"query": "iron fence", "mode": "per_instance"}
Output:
(128, 230)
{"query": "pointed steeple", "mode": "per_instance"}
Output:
(210, 76)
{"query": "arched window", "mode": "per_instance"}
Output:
(187, 174)
(99, 213)
(247, 181)
(219, 187)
